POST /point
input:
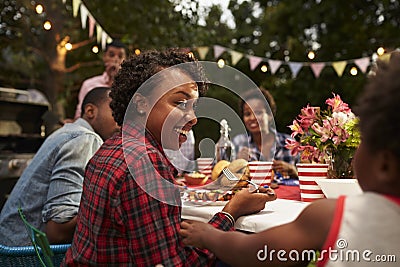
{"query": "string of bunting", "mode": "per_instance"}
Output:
(295, 67)
(339, 66)
(101, 35)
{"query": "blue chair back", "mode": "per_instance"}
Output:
(44, 252)
(27, 256)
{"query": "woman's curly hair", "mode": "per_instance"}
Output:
(378, 108)
(139, 68)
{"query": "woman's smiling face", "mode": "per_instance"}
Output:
(173, 114)
(255, 113)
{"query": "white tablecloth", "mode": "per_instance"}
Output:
(277, 212)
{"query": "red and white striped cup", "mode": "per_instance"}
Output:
(308, 174)
(205, 165)
(261, 172)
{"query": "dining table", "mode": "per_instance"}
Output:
(283, 210)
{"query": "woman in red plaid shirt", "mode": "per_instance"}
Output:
(130, 210)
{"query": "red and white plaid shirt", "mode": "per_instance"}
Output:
(119, 224)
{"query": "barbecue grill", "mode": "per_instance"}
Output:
(22, 132)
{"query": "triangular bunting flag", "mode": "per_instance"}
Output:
(92, 23)
(103, 40)
(203, 51)
(339, 67)
(236, 56)
(274, 64)
(99, 30)
(218, 50)
(75, 7)
(317, 68)
(362, 63)
(64, 1)
(295, 67)
(385, 57)
(84, 15)
(109, 39)
(254, 61)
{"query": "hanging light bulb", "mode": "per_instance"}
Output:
(68, 46)
(380, 51)
(353, 71)
(95, 49)
(47, 25)
(137, 51)
(39, 9)
(221, 63)
(311, 55)
(264, 68)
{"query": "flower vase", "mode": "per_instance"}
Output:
(340, 164)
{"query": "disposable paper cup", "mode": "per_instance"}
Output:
(204, 165)
(308, 174)
(261, 172)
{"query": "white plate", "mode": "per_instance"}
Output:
(333, 188)
(204, 202)
(199, 201)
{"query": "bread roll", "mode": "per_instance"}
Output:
(217, 170)
(240, 169)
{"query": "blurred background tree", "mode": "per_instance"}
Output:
(333, 30)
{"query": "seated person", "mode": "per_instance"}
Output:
(263, 142)
(131, 208)
(348, 231)
(49, 190)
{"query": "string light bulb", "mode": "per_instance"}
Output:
(137, 51)
(353, 71)
(380, 51)
(95, 49)
(221, 63)
(311, 55)
(39, 9)
(264, 68)
(68, 46)
(47, 25)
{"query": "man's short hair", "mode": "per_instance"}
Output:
(116, 43)
(96, 96)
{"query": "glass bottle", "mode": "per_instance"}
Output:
(224, 148)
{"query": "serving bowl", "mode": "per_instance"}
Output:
(195, 178)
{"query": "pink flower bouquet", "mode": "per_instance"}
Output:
(325, 135)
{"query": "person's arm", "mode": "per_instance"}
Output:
(307, 232)
(285, 168)
(60, 233)
(65, 188)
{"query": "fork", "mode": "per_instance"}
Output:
(231, 177)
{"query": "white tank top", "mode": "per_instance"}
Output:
(365, 232)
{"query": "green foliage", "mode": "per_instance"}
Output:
(140, 24)
(341, 29)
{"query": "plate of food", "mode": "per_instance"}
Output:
(207, 197)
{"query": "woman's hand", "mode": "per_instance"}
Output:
(284, 168)
(243, 153)
(245, 202)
